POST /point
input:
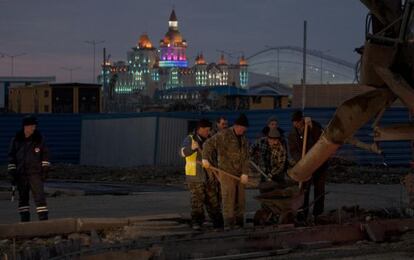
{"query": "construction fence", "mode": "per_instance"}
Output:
(133, 139)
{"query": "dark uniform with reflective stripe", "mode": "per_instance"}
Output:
(28, 167)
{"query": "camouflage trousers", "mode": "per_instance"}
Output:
(233, 200)
(205, 195)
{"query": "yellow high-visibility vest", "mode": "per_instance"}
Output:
(191, 163)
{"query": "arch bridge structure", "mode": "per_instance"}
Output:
(285, 64)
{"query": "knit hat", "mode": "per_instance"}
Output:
(272, 118)
(242, 120)
(273, 133)
(203, 123)
(297, 116)
(29, 120)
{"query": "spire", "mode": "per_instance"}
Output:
(173, 17)
(200, 59)
(242, 61)
(173, 22)
(222, 60)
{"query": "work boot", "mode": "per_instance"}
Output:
(218, 224)
(25, 216)
(240, 222)
(196, 227)
(43, 215)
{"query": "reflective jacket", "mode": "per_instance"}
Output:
(28, 155)
(194, 172)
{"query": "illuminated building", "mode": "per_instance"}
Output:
(173, 46)
(148, 69)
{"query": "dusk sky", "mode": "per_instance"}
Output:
(52, 33)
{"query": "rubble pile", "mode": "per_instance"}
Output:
(139, 174)
(343, 171)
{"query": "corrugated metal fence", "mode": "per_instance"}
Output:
(155, 138)
(62, 134)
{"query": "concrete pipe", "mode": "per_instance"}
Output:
(348, 118)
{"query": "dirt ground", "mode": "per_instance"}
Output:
(379, 193)
(339, 171)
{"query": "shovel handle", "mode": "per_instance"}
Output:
(305, 141)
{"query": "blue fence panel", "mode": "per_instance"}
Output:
(62, 133)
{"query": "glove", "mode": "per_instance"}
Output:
(194, 145)
(206, 164)
(308, 121)
(45, 173)
(244, 178)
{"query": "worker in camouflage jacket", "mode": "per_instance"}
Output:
(232, 151)
(202, 185)
(28, 168)
(270, 155)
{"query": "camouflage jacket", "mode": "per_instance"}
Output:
(232, 152)
(271, 160)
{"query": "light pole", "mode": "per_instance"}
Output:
(305, 26)
(94, 43)
(70, 69)
(12, 60)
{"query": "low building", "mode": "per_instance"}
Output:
(328, 95)
(263, 96)
(7, 82)
(55, 98)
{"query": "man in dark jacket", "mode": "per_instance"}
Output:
(202, 186)
(221, 124)
(295, 141)
(28, 167)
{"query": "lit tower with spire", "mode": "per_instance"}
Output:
(173, 46)
(243, 72)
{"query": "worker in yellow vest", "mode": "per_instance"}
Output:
(202, 186)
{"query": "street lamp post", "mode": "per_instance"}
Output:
(12, 57)
(94, 43)
(70, 69)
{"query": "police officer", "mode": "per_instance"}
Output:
(28, 168)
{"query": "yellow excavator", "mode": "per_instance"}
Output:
(387, 63)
